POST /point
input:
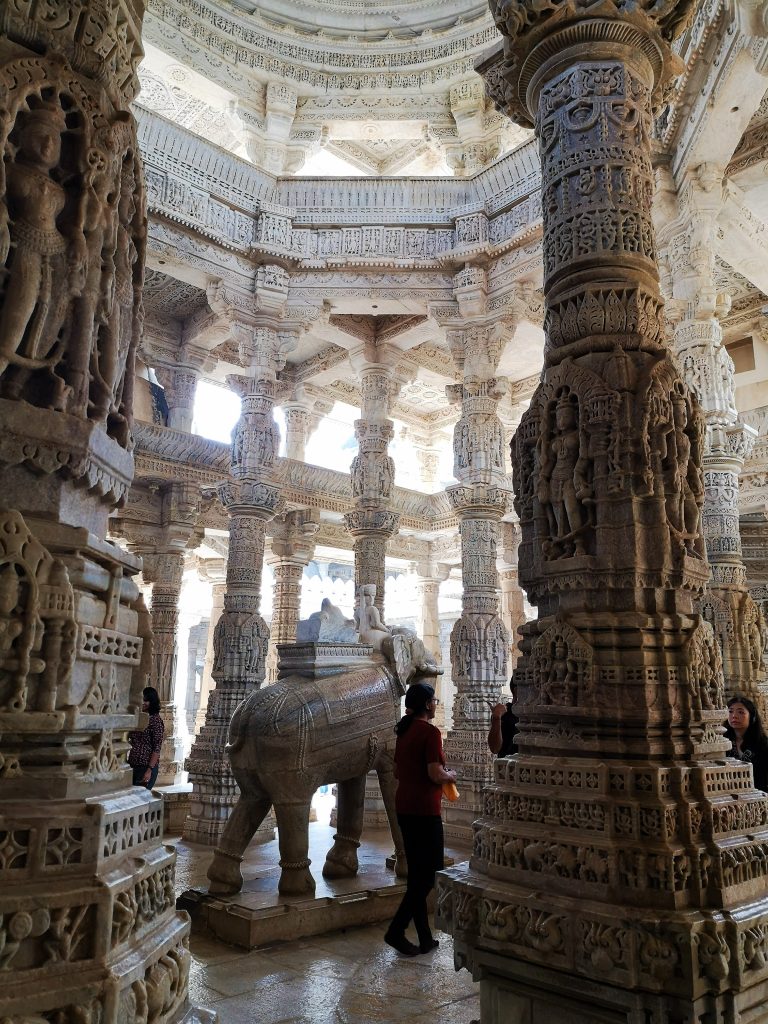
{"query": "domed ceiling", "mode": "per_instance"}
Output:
(382, 89)
(366, 18)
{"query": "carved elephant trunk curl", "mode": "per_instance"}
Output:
(311, 729)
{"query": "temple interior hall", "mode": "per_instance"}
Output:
(346, 346)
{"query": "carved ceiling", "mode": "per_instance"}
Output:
(367, 19)
(747, 302)
(167, 297)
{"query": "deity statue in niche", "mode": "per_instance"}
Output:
(97, 221)
(562, 683)
(21, 634)
(684, 485)
(753, 630)
(562, 666)
(42, 268)
(564, 490)
(120, 339)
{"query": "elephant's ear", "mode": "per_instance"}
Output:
(397, 651)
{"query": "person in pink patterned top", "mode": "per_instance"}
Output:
(144, 755)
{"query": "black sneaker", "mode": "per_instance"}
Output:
(428, 945)
(401, 944)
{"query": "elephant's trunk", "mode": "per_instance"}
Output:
(237, 731)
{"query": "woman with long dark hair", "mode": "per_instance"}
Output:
(144, 755)
(748, 740)
(420, 771)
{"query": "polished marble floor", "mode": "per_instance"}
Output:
(344, 977)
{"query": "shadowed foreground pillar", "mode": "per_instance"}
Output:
(618, 871)
(89, 933)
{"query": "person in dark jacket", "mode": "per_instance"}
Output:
(144, 755)
(420, 770)
(501, 735)
(748, 740)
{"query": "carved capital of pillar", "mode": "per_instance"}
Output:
(303, 415)
(537, 39)
(379, 387)
(707, 367)
(292, 537)
(476, 348)
(251, 498)
(263, 340)
(367, 522)
(212, 570)
(479, 501)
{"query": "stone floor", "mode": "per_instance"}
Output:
(344, 977)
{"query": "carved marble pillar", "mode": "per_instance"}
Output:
(162, 548)
(428, 457)
(618, 869)
(688, 226)
(164, 570)
(251, 498)
(292, 548)
(216, 573)
(302, 418)
(478, 639)
(371, 524)
(512, 596)
(180, 386)
(429, 576)
(87, 902)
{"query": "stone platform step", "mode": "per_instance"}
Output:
(258, 916)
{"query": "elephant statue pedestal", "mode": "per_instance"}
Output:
(329, 718)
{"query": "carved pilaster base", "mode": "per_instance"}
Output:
(375, 815)
(545, 958)
(466, 750)
(172, 751)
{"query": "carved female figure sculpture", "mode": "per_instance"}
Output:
(98, 223)
(563, 486)
(117, 340)
(34, 250)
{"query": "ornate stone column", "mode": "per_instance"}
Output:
(178, 370)
(251, 498)
(429, 576)
(302, 418)
(292, 548)
(216, 573)
(617, 871)
(164, 570)
(162, 549)
(478, 638)
(428, 456)
(371, 524)
(688, 229)
(512, 596)
(87, 902)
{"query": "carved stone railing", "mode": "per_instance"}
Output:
(194, 184)
(164, 454)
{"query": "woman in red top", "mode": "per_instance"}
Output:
(420, 771)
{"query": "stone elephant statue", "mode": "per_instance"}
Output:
(311, 729)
